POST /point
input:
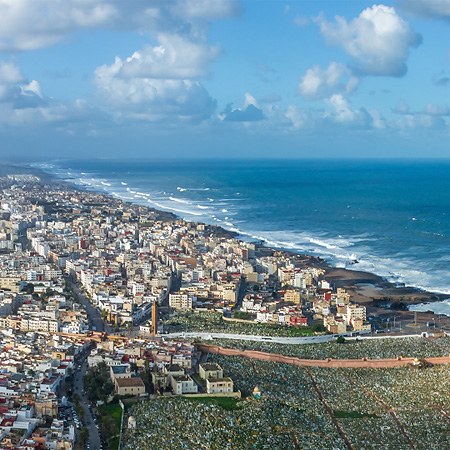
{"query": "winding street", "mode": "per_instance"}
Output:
(275, 339)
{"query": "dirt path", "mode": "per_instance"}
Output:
(333, 418)
(326, 363)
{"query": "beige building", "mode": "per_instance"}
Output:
(355, 312)
(180, 301)
(120, 371)
(343, 297)
(210, 370)
(46, 406)
(183, 384)
(129, 386)
(359, 325)
(336, 326)
(39, 324)
(291, 295)
(10, 283)
(219, 385)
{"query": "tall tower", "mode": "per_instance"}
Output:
(154, 319)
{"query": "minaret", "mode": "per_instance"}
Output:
(154, 319)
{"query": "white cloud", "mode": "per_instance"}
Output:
(378, 40)
(9, 73)
(439, 9)
(436, 110)
(343, 113)
(249, 112)
(22, 102)
(297, 118)
(205, 9)
(148, 97)
(430, 109)
(250, 100)
(33, 24)
(318, 83)
(342, 110)
(174, 58)
(420, 121)
(15, 91)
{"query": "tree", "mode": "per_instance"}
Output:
(97, 383)
(340, 340)
(29, 288)
(83, 438)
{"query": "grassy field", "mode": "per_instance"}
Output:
(214, 323)
(227, 403)
(110, 418)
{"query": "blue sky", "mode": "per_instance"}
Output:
(224, 78)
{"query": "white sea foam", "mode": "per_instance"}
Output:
(396, 269)
(442, 307)
(322, 243)
(166, 207)
(336, 249)
(179, 200)
(182, 189)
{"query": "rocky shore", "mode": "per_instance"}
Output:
(366, 288)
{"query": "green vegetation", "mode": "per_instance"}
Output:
(213, 322)
(28, 288)
(352, 415)
(227, 403)
(340, 340)
(97, 383)
(243, 315)
(110, 416)
(79, 409)
(83, 436)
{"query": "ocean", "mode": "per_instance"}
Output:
(391, 218)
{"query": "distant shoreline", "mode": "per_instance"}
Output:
(364, 287)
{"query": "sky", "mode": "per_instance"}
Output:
(224, 79)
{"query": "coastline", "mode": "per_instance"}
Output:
(372, 290)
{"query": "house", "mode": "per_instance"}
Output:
(210, 370)
(219, 385)
(183, 384)
(120, 371)
(129, 386)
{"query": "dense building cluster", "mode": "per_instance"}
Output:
(68, 255)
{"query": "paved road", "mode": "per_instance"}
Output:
(95, 322)
(276, 339)
(95, 318)
(94, 436)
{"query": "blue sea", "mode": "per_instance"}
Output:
(391, 218)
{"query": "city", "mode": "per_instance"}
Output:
(108, 306)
